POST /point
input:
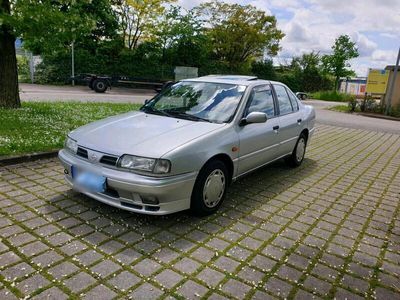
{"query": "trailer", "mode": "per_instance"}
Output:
(100, 83)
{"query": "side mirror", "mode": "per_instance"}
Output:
(254, 117)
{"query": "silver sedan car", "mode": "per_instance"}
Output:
(186, 145)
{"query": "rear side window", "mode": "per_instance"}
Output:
(293, 100)
(285, 105)
(261, 100)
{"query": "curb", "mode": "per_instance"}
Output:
(12, 160)
(377, 116)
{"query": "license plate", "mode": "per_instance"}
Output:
(88, 181)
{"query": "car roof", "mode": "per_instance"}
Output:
(231, 79)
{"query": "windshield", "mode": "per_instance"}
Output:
(198, 101)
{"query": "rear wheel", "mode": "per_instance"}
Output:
(99, 86)
(210, 188)
(297, 156)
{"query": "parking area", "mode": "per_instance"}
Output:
(330, 228)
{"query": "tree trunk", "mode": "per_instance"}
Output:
(9, 94)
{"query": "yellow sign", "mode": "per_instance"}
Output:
(377, 81)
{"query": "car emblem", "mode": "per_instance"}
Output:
(93, 157)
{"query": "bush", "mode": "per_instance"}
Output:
(352, 104)
(333, 96)
(23, 68)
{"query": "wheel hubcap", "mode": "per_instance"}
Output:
(214, 188)
(300, 150)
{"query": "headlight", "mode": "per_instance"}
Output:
(157, 166)
(71, 144)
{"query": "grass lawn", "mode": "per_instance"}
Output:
(42, 126)
(340, 108)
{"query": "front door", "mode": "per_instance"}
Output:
(259, 142)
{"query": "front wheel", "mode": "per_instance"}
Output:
(297, 156)
(209, 189)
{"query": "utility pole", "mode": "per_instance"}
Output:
(73, 63)
(392, 84)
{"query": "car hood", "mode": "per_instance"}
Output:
(140, 134)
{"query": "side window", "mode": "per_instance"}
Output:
(261, 100)
(293, 100)
(285, 105)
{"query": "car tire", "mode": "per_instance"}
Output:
(100, 86)
(209, 189)
(299, 151)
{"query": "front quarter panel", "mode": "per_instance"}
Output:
(193, 155)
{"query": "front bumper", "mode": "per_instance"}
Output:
(126, 190)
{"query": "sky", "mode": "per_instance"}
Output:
(314, 24)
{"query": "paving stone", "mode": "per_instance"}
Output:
(53, 293)
(342, 294)
(356, 284)
(63, 269)
(218, 244)
(17, 271)
(8, 258)
(147, 267)
(168, 278)
(32, 283)
(47, 259)
(210, 277)
(124, 281)
(79, 282)
(33, 248)
(166, 255)
(96, 238)
(146, 292)
(147, 246)
(278, 287)
(289, 273)
(73, 248)
(226, 264)
(203, 254)
(239, 253)
(317, 285)
(236, 288)
(21, 239)
(192, 290)
(105, 268)
(187, 265)
(100, 292)
(263, 263)
(251, 275)
(88, 257)
(127, 256)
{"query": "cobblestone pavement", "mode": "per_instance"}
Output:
(330, 228)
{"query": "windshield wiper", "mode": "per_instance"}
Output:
(152, 110)
(187, 116)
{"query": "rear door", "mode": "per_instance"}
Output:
(290, 121)
(259, 142)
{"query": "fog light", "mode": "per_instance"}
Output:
(150, 200)
(66, 172)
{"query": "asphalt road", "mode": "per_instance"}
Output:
(328, 117)
(34, 92)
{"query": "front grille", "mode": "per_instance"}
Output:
(109, 160)
(82, 152)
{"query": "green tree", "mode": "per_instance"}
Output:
(138, 18)
(337, 63)
(181, 38)
(264, 69)
(239, 33)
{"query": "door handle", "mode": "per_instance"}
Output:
(299, 120)
(275, 127)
